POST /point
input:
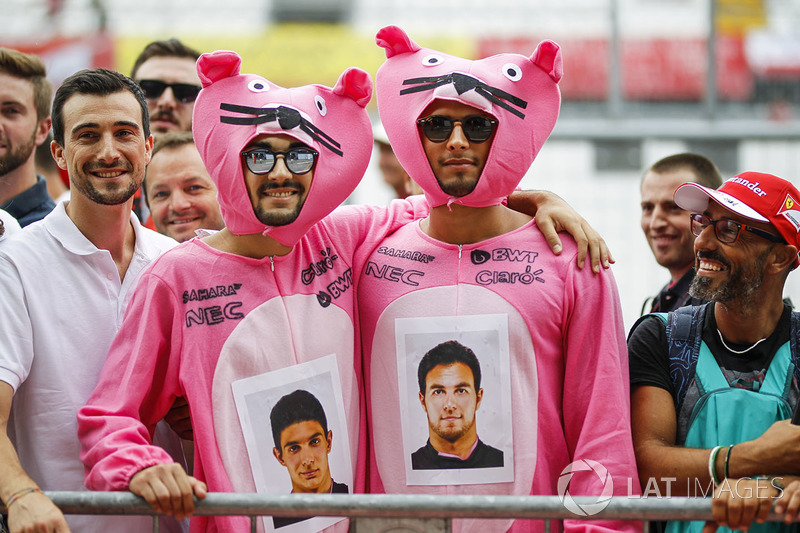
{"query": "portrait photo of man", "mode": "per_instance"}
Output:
(295, 428)
(450, 392)
(302, 444)
(455, 404)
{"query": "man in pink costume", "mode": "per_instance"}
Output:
(239, 303)
(467, 131)
(271, 291)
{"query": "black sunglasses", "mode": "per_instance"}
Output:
(297, 160)
(184, 92)
(728, 231)
(476, 128)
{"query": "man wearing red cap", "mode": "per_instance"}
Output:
(713, 386)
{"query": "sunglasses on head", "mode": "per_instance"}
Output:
(184, 92)
(297, 160)
(476, 128)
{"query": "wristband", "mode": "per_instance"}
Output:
(712, 459)
(19, 494)
(728, 461)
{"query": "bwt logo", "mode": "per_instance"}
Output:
(587, 509)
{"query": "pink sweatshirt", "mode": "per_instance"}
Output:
(199, 320)
(568, 374)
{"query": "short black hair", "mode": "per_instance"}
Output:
(169, 48)
(295, 407)
(446, 354)
(96, 82)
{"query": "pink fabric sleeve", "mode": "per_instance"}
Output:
(361, 227)
(596, 388)
(137, 386)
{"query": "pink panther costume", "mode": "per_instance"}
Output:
(201, 318)
(568, 361)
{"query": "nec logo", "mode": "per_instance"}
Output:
(392, 273)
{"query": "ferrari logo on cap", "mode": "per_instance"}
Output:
(792, 215)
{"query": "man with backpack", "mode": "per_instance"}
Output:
(713, 386)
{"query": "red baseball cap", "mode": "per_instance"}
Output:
(754, 195)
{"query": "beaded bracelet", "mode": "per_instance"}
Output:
(712, 459)
(19, 494)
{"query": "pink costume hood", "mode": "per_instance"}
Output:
(521, 92)
(234, 108)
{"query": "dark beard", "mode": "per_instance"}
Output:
(740, 287)
(457, 188)
(272, 217)
(17, 156)
(103, 197)
(106, 198)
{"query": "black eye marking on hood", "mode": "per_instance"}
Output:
(287, 119)
(464, 83)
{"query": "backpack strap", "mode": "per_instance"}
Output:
(794, 344)
(684, 337)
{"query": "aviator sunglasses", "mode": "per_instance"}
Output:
(184, 92)
(728, 231)
(476, 128)
(297, 160)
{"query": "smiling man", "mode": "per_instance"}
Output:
(450, 392)
(64, 286)
(666, 225)
(180, 194)
(713, 385)
(25, 97)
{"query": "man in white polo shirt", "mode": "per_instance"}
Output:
(64, 285)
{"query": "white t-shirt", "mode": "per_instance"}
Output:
(62, 302)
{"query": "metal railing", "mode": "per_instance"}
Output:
(395, 506)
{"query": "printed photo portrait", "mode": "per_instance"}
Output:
(297, 441)
(455, 399)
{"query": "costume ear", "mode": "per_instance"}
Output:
(547, 57)
(356, 85)
(395, 41)
(218, 65)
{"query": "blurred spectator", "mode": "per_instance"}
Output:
(47, 168)
(165, 70)
(667, 227)
(178, 190)
(25, 97)
(393, 172)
